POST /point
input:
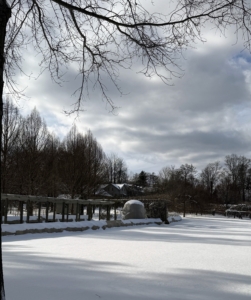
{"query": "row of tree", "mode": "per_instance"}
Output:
(35, 161)
(210, 190)
(226, 183)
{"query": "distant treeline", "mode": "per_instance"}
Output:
(220, 183)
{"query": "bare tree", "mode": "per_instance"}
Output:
(96, 161)
(178, 184)
(10, 133)
(116, 169)
(237, 167)
(210, 176)
(224, 186)
(122, 176)
(33, 139)
(187, 174)
(100, 36)
(169, 177)
(50, 174)
(72, 162)
(243, 176)
(81, 164)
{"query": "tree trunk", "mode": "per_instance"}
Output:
(5, 13)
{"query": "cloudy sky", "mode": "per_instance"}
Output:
(202, 118)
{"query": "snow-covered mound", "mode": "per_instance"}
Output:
(133, 209)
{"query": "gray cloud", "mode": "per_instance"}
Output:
(202, 118)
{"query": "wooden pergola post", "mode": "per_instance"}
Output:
(67, 212)
(99, 212)
(54, 211)
(28, 211)
(47, 211)
(21, 207)
(6, 202)
(108, 212)
(39, 211)
(63, 211)
(115, 212)
(77, 212)
(89, 212)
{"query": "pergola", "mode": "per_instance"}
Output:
(50, 202)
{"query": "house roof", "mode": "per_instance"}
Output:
(102, 192)
(120, 185)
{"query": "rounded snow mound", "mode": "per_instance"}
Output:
(133, 209)
(135, 202)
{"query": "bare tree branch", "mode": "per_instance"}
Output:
(102, 36)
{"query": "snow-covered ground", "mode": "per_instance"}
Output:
(198, 258)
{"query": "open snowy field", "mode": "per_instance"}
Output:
(198, 258)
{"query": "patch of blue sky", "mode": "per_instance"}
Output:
(242, 114)
(242, 56)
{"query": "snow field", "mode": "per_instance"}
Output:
(198, 258)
